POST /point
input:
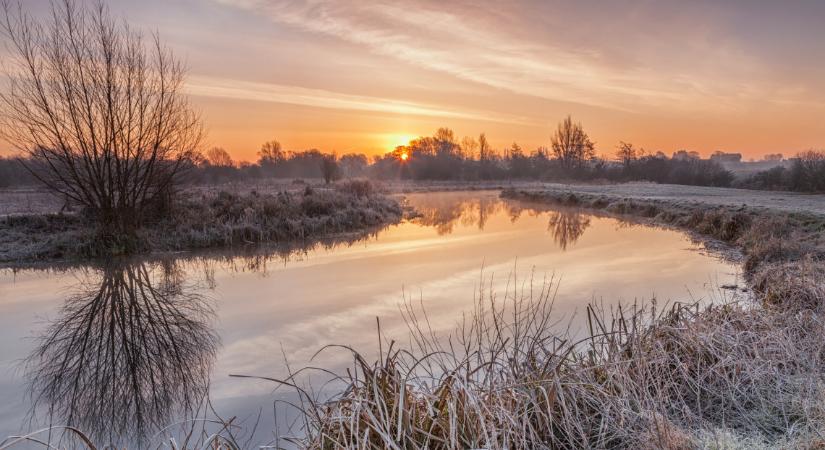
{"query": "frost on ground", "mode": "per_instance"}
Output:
(205, 219)
(28, 201)
(781, 201)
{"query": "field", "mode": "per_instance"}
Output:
(710, 196)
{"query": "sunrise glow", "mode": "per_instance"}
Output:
(394, 140)
(366, 77)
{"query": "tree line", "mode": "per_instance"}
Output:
(99, 117)
(570, 156)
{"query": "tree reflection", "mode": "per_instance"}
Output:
(128, 352)
(567, 226)
(445, 210)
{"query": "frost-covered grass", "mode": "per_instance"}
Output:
(211, 218)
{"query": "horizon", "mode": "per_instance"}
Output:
(365, 77)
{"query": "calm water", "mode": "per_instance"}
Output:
(122, 348)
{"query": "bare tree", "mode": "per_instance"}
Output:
(468, 147)
(271, 153)
(483, 148)
(219, 157)
(626, 153)
(99, 113)
(329, 168)
(571, 145)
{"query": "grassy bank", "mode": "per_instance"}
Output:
(722, 376)
(770, 240)
(207, 219)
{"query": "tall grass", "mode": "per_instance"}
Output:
(673, 378)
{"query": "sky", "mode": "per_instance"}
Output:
(364, 76)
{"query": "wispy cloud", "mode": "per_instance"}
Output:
(471, 46)
(474, 51)
(295, 95)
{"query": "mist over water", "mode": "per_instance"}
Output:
(153, 335)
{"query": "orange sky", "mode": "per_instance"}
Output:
(365, 76)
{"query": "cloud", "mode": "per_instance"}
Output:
(206, 86)
(471, 50)
(483, 47)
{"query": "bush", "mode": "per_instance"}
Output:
(357, 187)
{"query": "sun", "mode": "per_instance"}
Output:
(405, 156)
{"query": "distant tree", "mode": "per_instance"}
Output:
(353, 165)
(571, 145)
(101, 117)
(469, 146)
(445, 136)
(271, 153)
(483, 156)
(519, 164)
(483, 147)
(626, 153)
(808, 171)
(773, 157)
(218, 157)
(723, 157)
(684, 155)
(329, 168)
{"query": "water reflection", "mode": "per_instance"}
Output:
(445, 211)
(567, 226)
(127, 354)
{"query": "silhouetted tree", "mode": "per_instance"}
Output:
(270, 154)
(330, 169)
(626, 153)
(353, 165)
(520, 165)
(571, 145)
(483, 156)
(218, 157)
(469, 146)
(808, 171)
(100, 116)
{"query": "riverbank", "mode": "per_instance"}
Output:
(768, 237)
(210, 218)
(733, 375)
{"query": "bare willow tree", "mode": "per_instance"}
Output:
(99, 113)
(571, 145)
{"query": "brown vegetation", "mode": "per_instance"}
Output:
(210, 219)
